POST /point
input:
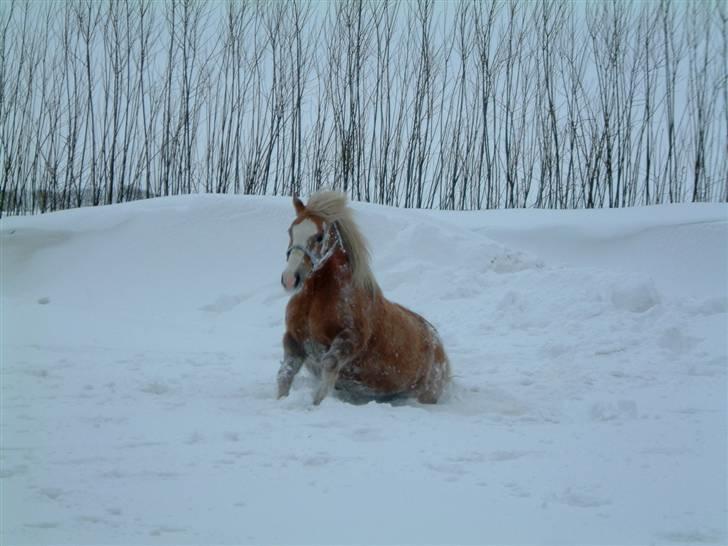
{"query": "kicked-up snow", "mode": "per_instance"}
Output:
(140, 345)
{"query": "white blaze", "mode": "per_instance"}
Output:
(300, 235)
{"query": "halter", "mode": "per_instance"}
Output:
(328, 250)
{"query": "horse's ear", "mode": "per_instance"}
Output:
(298, 205)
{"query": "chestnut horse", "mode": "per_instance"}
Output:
(338, 323)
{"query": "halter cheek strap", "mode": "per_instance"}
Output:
(329, 245)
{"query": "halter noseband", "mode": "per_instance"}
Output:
(327, 249)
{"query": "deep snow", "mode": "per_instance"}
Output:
(140, 344)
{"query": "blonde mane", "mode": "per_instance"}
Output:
(332, 206)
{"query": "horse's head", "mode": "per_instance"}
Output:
(311, 242)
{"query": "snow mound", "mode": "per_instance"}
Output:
(634, 295)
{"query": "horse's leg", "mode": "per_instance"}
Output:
(293, 357)
(336, 357)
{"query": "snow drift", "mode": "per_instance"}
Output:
(140, 344)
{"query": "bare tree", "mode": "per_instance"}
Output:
(472, 104)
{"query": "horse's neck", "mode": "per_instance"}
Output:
(330, 279)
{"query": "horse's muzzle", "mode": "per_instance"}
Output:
(291, 281)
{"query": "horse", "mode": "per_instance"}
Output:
(339, 324)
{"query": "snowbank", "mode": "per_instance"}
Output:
(140, 344)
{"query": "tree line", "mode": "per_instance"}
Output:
(453, 105)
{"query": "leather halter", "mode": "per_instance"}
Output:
(328, 246)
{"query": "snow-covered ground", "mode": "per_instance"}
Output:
(140, 345)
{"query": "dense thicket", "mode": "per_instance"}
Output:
(421, 104)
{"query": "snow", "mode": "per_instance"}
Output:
(140, 345)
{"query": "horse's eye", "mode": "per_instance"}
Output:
(319, 237)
